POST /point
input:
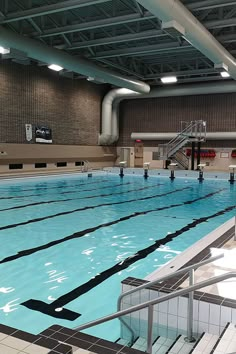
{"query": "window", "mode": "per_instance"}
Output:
(79, 163)
(15, 166)
(40, 165)
(61, 164)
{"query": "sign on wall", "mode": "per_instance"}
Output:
(28, 132)
(43, 134)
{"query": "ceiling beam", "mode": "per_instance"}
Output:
(86, 26)
(49, 9)
(121, 20)
(145, 50)
(209, 4)
(116, 39)
(221, 23)
(183, 73)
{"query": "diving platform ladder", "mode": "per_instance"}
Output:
(194, 131)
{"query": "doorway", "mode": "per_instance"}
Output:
(138, 154)
(125, 155)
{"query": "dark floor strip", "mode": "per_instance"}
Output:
(86, 197)
(87, 208)
(68, 192)
(51, 309)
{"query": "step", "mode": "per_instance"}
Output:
(227, 341)
(205, 344)
(162, 345)
(181, 346)
(140, 344)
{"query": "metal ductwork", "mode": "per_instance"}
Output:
(110, 124)
(169, 136)
(110, 108)
(39, 51)
(193, 31)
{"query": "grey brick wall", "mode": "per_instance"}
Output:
(37, 95)
(165, 114)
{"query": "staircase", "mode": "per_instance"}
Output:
(206, 344)
(193, 131)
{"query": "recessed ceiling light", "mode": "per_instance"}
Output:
(224, 74)
(55, 67)
(169, 79)
(4, 50)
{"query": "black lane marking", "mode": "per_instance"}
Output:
(79, 234)
(31, 221)
(50, 309)
(86, 197)
(58, 187)
(69, 192)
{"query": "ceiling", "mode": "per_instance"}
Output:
(122, 35)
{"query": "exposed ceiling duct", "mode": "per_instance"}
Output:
(110, 108)
(194, 32)
(39, 51)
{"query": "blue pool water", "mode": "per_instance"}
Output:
(68, 242)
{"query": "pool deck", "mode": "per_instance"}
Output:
(225, 289)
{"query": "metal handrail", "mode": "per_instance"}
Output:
(194, 129)
(151, 303)
(158, 280)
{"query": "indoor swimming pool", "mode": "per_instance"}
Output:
(67, 242)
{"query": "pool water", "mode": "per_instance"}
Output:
(68, 242)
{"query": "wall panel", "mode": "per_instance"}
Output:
(165, 115)
(37, 95)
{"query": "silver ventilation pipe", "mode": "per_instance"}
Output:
(39, 51)
(110, 106)
(178, 20)
(110, 129)
(169, 136)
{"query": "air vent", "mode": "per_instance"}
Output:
(79, 163)
(15, 166)
(61, 164)
(40, 165)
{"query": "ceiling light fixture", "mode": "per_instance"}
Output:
(169, 79)
(224, 74)
(55, 67)
(4, 50)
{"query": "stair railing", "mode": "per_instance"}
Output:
(151, 303)
(188, 269)
(181, 158)
(195, 130)
(85, 166)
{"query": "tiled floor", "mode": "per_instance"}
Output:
(224, 265)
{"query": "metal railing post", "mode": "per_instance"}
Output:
(190, 337)
(235, 229)
(150, 329)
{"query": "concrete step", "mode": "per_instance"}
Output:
(162, 345)
(226, 343)
(206, 344)
(181, 346)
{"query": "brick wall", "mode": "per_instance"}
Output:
(165, 114)
(37, 95)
